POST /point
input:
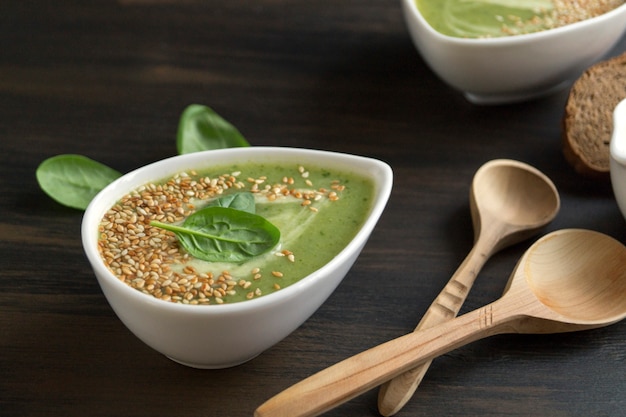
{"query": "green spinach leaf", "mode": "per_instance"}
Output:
(74, 180)
(239, 201)
(219, 234)
(201, 129)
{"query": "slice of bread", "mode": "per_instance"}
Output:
(588, 117)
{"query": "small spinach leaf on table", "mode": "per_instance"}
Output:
(74, 180)
(220, 234)
(201, 129)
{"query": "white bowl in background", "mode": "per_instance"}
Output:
(518, 67)
(218, 336)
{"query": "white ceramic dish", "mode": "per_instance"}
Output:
(515, 68)
(618, 156)
(218, 336)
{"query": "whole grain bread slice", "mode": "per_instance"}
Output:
(588, 117)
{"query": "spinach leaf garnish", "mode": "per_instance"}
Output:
(243, 201)
(74, 180)
(201, 129)
(221, 234)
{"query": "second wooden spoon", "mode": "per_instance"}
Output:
(509, 202)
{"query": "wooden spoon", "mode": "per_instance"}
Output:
(568, 280)
(509, 202)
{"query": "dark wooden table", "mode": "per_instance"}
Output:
(109, 80)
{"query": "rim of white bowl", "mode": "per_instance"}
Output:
(513, 39)
(379, 170)
(617, 146)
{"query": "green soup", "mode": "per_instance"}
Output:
(317, 211)
(497, 18)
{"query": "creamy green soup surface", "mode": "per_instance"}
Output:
(498, 18)
(318, 212)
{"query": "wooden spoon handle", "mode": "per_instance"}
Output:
(354, 376)
(394, 394)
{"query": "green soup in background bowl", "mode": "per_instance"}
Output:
(496, 18)
(507, 69)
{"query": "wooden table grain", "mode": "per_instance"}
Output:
(109, 79)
